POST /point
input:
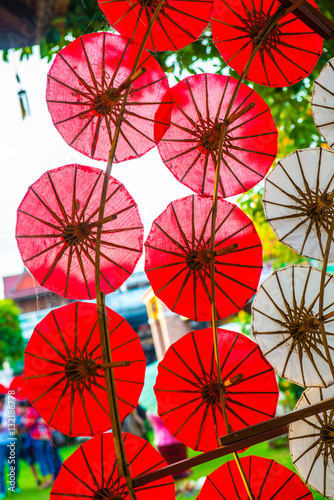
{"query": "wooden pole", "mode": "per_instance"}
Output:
(239, 440)
(273, 20)
(122, 465)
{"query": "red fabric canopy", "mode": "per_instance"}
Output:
(86, 84)
(288, 54)
(178, 23)
(62, 374)
(190, 147)
(3, 389)
(268, 480)
(178, 258)
(19, 386)
(57, 225)
(187, 389)
(91, 471)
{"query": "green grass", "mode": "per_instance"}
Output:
(281, 455)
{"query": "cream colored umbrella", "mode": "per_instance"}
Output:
(323, 102)
(286, 324)
(298, 200)
(312, 443)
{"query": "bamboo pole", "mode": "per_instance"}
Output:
(239, 440)
(228, 118)
(121, 461)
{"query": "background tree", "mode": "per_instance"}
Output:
(11, 340)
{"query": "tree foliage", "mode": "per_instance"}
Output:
(11, 340)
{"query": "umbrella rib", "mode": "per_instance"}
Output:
(184, 13)
(189, 150)
(83, 129)
(215, 487)
(43, 375)
(230, 400)
(236, 415)
(206, 163)
(205, 286)
(234, 175)
(223, 362)
(82, 270)
(171, 280)
(58, 219)
(182, 287)
(180, 227)
(110, 244)
(72, 408)
(199, 435)
(227, 296)
(192, 414)
(235, 280)
(241, 137)
(51, 345)
(199, 114)
(265, 479)
(250, 224)
(236, 367)
(78, 479)
(317, 455)
(73, 117)
(84, 408)
(89, 468)
(90, 69)
(90, 196)
(91, 246)
(77, 91)
(186, 365)
(137, 490)
(96, 136)
(235, 158)
(181, 28)
(61, 335)
(193, 164)
(49, 224)
(176, 243)
(52, 361)
(198, 356)
(237, 265)
(250, 377)
(191, 382)
(137, 129)
(59, 401)
(249, 120)
(85, 347)
(101, 273)
(165, 251)
(49, 389)
(219, 227)
(153, 467)
(81, 80)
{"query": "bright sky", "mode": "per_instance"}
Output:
(30, 147)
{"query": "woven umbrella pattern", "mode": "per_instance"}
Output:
(57, 225)
(312, 443)
(177, 25)
(91, 471)
(323, 102)
(286, 324)
(187, 387)
(299, 200)
(85, 91)
(268, 480)
(178, 251)
(63, 369)
(288, 54)
(190, 147)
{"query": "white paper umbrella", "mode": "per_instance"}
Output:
(323, 102)
(298, 200)
(312, 443)
(287, 328)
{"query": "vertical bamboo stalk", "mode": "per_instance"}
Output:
(122, 465)
(259, 41)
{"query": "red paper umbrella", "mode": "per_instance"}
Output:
(63, 372)
(57, 225)
(288, 54)
(187, 387)
(267, 479)
(3, 389)
(86, 85)
(91, 471)
(178, 254)
(178, 23)
(19, 386)
(190, 147)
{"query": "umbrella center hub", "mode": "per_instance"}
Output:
(210, 392)
(310, 324)
(257, 21)
(78, 369)
(105, 103)
(210, 139)
(106, 494)
(327, 433)
(197, 259)
(75, 233)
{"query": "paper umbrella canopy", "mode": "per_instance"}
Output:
(86, 85)
(64, 371)
(267, 479)
(57, 225)
(286, 324)
(298, 201)
(187, 389)
(288, 54)
(190, 146)
(91, 471)
(178, 251)
(312, 443)
(323, 102)
(178, 23)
